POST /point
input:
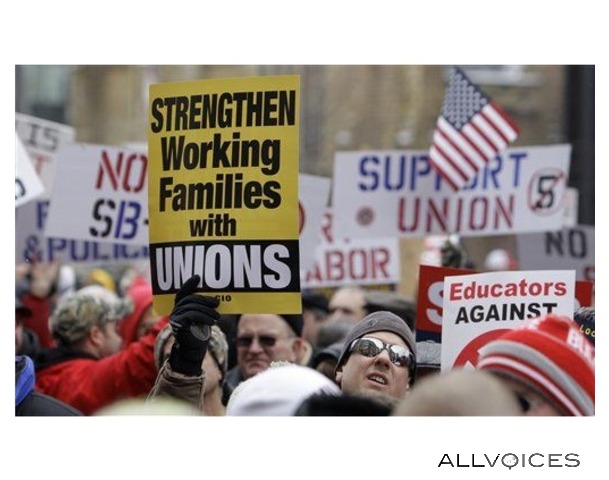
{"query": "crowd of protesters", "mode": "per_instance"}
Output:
(87, 345)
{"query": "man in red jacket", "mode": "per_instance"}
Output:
(88, 369)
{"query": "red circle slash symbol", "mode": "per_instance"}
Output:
(468, 357)
(547, 191)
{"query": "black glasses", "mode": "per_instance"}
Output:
(265, 341)
(371, 347)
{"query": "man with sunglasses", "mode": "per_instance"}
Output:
(378, 358)
(262, 339)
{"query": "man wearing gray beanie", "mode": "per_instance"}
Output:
(378, 358)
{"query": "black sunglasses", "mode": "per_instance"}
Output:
(265, 341)
(371, 347)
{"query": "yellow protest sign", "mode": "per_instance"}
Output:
(223, 191)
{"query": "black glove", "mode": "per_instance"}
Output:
(191, 321)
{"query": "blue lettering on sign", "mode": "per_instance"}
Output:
(80, 251)
(42, 211)
(391, 173)
(125, 227)
(405, 172)
(38, 248)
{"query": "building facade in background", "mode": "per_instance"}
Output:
(344, 107)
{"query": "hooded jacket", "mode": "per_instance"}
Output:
(88, 383)
(29, 402)
(141, 294)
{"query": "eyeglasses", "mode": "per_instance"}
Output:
(371, 347)
(265, 341)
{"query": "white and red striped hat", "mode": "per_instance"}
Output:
(551, 355)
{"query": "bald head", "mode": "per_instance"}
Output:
(459, 393)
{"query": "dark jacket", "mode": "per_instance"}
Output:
(231, 380)
(29, 402)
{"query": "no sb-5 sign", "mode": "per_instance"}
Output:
(100, 194)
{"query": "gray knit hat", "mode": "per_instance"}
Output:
(377, 322)
(218, 346)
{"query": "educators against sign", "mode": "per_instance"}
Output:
(468, 291)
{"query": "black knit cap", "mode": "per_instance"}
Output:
(377, 322)
(316, 300)
(295, 322)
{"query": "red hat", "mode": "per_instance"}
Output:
(141, 295)
(551, 355)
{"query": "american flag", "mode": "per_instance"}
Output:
(471, 129)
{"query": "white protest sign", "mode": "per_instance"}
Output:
(100, 195)
(368, 261)
(397, 193)
(571, 207)
(478, 308)
(28, 185)
(566, 249)
(30, 243)
(313, 197)
(42, 140)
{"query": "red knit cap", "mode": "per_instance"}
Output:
(552, 356)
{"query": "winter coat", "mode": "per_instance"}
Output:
(170, 383)
(88, 383)
(29, 402)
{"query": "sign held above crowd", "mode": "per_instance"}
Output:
(223, 191)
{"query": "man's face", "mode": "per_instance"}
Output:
(375, 376)
(112, 341)
(312, 322)
(347, 302)
(147, 321)
(255, 334)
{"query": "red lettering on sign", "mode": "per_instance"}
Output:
(128, 173)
